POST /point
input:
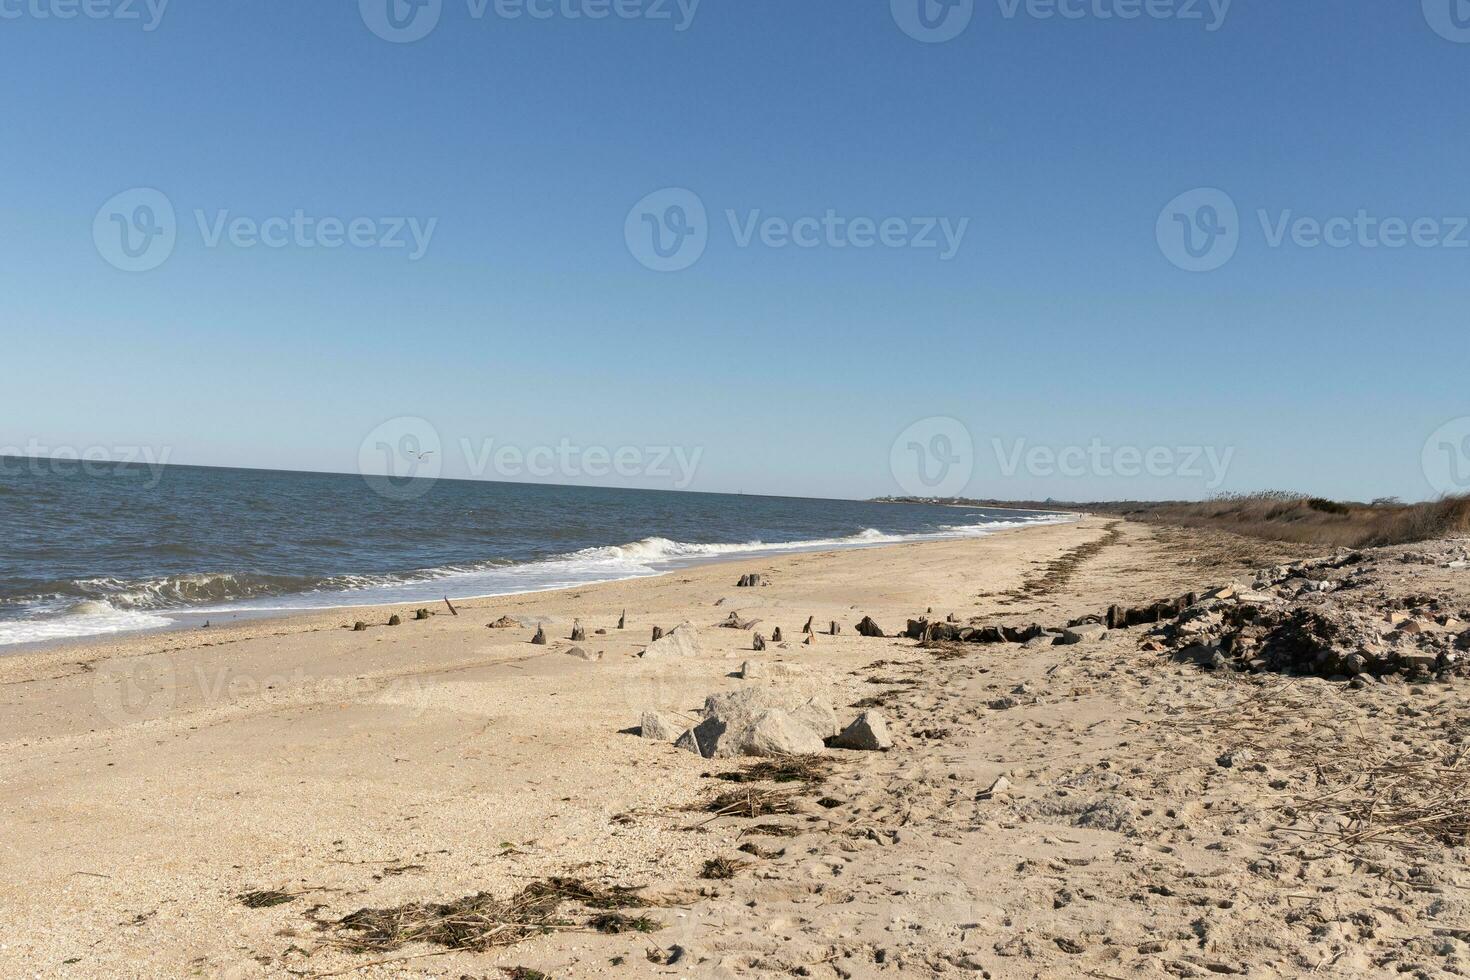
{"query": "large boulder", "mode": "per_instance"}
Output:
(681, 641)
(818, 715)
(771, 733)
(868, 733)
(743, 704)
(761, 721)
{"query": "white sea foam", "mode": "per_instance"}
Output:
(93, 617)
(140, 605)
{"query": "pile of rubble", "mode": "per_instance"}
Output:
(1333, 617)
(1085, 630)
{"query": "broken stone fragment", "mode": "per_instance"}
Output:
(1086, 633)
(689, 742)
(661, 726)
(867, 733)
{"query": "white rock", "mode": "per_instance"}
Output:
(681, 641)
(1000, 787)
(771, 733)
(818, 715)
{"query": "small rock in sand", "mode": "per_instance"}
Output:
(1001, 787)
(581, 654)
(506, 623)
(1086, 633)
(868, 733)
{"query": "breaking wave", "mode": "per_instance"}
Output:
(90, 607)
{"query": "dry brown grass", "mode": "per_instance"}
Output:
(750, 803)
(1306, 520)
(1281, 516)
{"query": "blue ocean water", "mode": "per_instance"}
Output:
(110, 548)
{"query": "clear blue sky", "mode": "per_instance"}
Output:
(1059, 321)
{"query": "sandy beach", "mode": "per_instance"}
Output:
(149, 781)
